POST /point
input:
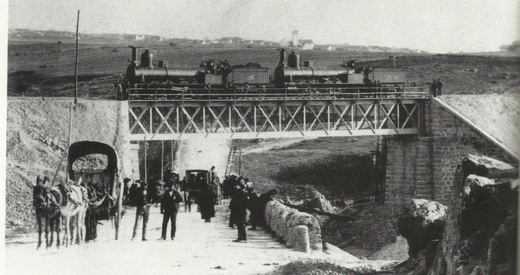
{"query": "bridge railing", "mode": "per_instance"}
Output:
(274, 94)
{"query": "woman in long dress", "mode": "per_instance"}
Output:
(207, 204)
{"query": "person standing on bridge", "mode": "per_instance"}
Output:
(142, 202)
(433, 88)
(439, 87)
(169, 207)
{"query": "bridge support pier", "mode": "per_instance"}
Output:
(424, 166)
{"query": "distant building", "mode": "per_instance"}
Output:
(258, 42)
(295, 42)
(304, 44)
(307, 44)
(230, 40)
(284, 43)
(331, 48)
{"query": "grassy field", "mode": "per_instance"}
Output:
(47, 69)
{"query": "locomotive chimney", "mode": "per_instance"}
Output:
(134, 54)
(283, 58)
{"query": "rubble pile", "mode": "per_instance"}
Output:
(319, 202)
(422, 224)
(481, 231)
(476, 233)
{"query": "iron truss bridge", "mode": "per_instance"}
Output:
(169, 114)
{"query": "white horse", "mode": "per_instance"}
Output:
(74, 210)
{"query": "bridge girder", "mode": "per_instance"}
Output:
(171, 120)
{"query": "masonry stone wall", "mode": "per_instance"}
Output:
(424, 167)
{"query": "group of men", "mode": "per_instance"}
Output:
(141, 199)
(244, 198)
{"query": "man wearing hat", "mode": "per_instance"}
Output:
(169, 208)
(238, 206)
(142, 202)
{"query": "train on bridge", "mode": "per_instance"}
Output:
(144, 79)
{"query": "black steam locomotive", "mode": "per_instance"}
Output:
(223, 77)
(289, 73)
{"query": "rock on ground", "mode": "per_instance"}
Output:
(421, 222)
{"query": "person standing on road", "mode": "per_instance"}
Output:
(170, 202)
(212, 175)
(142, 202)
(188, 201)
(238, 205)
(207, 203)
(252, 205)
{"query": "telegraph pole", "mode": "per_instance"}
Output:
(76, 69)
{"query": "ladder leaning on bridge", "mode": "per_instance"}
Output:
(166, 114)
(232, 151)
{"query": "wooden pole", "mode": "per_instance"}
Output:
(119, 204)
(145, 158)
(68, 143)
(239, 159)
(76, 69)
(172, 156)
(162, 160)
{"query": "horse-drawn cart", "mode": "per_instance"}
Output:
(106, 181)
(198, 180)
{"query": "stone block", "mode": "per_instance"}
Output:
(301, 239)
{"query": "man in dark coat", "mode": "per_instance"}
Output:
(238, 206)
(207, 203)
(142, 202)
(169, 208)
(439, 87)
(433, 88)
(252, 205)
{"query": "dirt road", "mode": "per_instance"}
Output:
(199, 248)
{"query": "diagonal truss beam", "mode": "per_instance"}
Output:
(283, 118)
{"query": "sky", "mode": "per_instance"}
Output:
(435, 26)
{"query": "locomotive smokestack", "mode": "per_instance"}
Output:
(283, 58)
(134, 54)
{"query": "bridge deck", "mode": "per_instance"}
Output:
(166, 114)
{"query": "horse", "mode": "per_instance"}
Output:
(73, 209)
(47, 204)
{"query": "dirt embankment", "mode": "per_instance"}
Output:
(36, 143)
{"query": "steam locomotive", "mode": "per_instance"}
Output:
(143, 75)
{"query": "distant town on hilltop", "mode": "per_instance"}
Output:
(295, 42)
